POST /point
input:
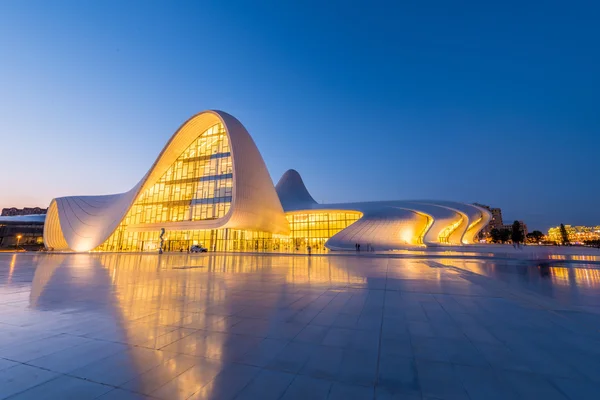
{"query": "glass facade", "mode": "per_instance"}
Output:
(182, 240)
(306, 228)
(198, 186)
(315, 228)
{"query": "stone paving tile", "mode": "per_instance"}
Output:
(304, 387)
(267, 326)
(398, 374)
(189, 381)
(232, 379)
(162, 374)
(4, 364)
(358, 367)
(120, 394)
(292, 357)
(532, 386)
(75, 357)
(311, 334)
(455, 351)
(25, 352)
(580, 390)
(343, 391)
(262, 353)
(64, 387)
(502, 357)
(267, 385)
(439, 380)
(167, 338)
(325, 362)
(484, 383)
(21, 378)
(121, 368)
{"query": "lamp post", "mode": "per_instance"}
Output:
(18, 240)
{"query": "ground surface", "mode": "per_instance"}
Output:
(293, 327)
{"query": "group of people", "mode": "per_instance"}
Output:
(369, 247)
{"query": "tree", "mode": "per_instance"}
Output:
(517, 233)
(535, 237)
(504, 235)
(495, 235)
(564, 235)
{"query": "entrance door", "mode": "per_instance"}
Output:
(178, 245)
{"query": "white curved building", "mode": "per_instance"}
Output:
(210, 186)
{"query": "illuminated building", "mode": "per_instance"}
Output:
(522, 224)
(210, 186)
(577, 234)
(495, 223)
(24, 230)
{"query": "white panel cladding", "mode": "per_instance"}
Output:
(53, 234)
(421, 222)
(292, 192)
(443, 218)
(389, 228)
(255, 204)
(477, 225)
(83, 223)
(386, 228)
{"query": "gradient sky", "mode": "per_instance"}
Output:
(474, 101)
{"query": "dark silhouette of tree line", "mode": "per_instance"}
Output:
(514, 235)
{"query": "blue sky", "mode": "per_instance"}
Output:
(468, 101)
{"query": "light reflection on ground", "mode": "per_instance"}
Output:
(266, 326)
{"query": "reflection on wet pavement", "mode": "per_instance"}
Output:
(274, 326)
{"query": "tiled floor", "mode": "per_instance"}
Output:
(292, 327)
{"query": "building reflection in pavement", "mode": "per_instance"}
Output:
(165, 302)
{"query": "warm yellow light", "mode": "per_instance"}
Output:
(445, 234)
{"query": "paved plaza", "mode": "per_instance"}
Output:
(132, 326)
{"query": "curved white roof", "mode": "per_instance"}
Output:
(292, 192)
(388, 225)
(82, 223)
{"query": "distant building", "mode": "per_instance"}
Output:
(495, 223)
(25, 230)
(510, 226)
(22, 226)
(13, 211)
(577, 234)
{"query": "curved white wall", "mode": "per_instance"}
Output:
(388, 229)
(82, 223)
(390, 225)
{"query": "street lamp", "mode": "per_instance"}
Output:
(18, 240)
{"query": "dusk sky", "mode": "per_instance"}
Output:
(474, 101)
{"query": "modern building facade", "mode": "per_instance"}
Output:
(13, 211)
(522, 225)
(210, 186)
(495, 223)
(22, 231)
(576, 234)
